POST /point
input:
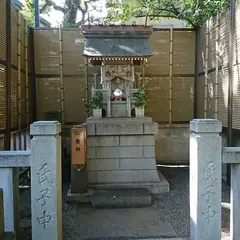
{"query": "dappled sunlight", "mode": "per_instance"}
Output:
(127, 49)
(226, 205)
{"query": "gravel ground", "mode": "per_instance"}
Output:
(167, 217)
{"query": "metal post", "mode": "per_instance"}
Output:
(7, 136)
(196, 73)
(230, 92)
(37, 12)
(33, 79)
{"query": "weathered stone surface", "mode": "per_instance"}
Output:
(149, 152)
(235, 198)
(161, 186)
(150, 128)
(92, 120)
(119, 109)
(46, 191)
(172, 144)
(150, 176)
(231, 155)
(147, 140)
(121, 198)
(91, 129)
(119, 152)
(79, 197)
(45, 128)
(137, 163)
(91, 152)
(103, 164)
(119, 129)
(116, 142)
(1, 215)
(205, 179)
(119, 176)
(92, 177)
(9, 183)
(205, 126)
(103, 141)
(15, 159)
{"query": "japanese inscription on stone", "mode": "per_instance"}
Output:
(45, 182)
(209, 190)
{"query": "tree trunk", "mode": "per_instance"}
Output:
(70, 16)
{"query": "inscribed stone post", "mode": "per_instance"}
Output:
(205, 179)
(46, 181)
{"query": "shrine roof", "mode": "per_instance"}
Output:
(117, 41)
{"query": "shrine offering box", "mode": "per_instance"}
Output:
(79, 145)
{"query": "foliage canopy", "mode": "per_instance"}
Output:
(193, 12)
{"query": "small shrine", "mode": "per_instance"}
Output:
(120, 138)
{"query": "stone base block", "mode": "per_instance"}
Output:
(121, 198)
(79, 197)
(156, 187)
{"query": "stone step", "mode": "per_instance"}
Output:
(1, 215)
(121, 198)
(9, 236)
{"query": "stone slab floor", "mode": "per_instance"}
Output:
(168, 217)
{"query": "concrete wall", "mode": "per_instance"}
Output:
(172, 144)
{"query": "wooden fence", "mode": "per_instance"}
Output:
(15, 88)
(213, 68)
(61, 83)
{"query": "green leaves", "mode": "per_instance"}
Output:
(141, 97)
(119, 12)
(97, 101)
(193, 12)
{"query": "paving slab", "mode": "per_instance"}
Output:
(121, 198)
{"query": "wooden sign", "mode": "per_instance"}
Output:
(79, 146)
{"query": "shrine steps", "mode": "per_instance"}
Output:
(121, 198)
(113, 198)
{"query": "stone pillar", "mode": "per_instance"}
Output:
(1, 215)
(46, 184)
(205, 179)
(235, 197)
(9, 183)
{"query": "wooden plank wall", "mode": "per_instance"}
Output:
(213, 73)
(169, 74)
(21, 97)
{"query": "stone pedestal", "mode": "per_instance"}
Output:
(121, 153)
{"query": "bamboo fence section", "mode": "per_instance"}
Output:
(19, 88)
(214, 43)
(169, 74)
(61, 75)
(217, 68)
(206, 71)
(16, 30)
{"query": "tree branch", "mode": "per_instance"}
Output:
(50, 3)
